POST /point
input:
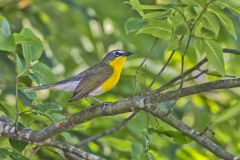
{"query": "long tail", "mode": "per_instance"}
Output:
(39, 88)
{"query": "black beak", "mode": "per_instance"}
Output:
(127, 54)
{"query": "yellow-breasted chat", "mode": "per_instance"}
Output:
(95, 80)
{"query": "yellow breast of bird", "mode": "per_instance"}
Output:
(117, 65)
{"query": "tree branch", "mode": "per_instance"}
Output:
(146, 102)
(137, 103)
(107, 132)
(8, 130)
(196, 136)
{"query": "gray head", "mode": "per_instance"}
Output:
(115, 54)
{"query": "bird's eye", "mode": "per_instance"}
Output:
(116, 53)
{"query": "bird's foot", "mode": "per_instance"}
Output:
(104, 105)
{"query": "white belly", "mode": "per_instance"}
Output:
(97, 91)
(69, 86)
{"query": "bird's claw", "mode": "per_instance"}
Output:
(105, 104)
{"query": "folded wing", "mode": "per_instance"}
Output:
(93, 79)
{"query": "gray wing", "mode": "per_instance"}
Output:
(93, 79)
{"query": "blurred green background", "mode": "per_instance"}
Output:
(77, 34)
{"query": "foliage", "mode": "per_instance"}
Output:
(53, 40)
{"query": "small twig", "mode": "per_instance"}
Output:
(16, 91)
(33, 151)
(164, 66)
(218, 75)
(194, 68)
(143, 62)
(208, 128)
(233, 51)
(191, 78)
(162, 69)
(72, 149)
(197, 75)
(182, 71)
(29, 110)
(187, 72)
(107, 132)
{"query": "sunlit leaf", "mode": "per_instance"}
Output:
(157, 15)
(233, 5)
(173, 43)
(201, 3)
(225, 20)
(20, 66)
(134, 24)
(214, 55)
(6, 39)
(157, 28)
(32, 47)
(208, 26)
(137, 6)
(178, 23)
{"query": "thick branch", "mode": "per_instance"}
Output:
(8, 130)
(147, 102)
(128, 105)
(196, 136)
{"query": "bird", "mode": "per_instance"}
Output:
(95, 80)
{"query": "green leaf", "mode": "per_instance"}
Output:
(49, 107)
(18, 145)
(7, 109)
(201, 3)
(137, 6)
(157, 28)
(30, 95)
(134, 24)
(153, 7)
(214, 55)
(6, 39)
(225, 20)
(208, 26)
(233, 5)
(32, 46)
(56, 116)
(137, 150)
(157, 15)
(6, 154)
(173, 43)
(178, 23)
(20, 66)
(42, 74)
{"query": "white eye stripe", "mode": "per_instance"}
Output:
(118, 52)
